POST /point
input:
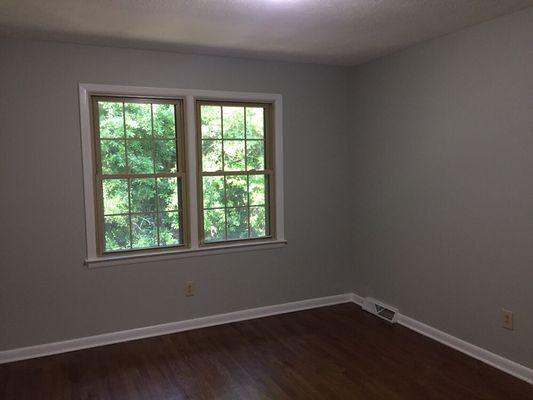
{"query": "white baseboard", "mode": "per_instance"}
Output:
(494, 360)
(483, 355)
(357, 299)
(24, 353)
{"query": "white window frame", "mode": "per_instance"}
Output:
(189, 98)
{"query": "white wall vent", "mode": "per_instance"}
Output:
(380, 309)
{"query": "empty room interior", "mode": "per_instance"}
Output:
(266, 199)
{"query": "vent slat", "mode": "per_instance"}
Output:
(380, 309)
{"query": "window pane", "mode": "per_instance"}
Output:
(143, 230)
(138, 120)
(167, 189)
(211, 155)
(165, 156)
(257, 190)
(233, 122)
(164, 120)
(237, 223)
(169, 229)
(111, 119)
(234, 155)
(254, 123)
(214, 225)
(140, 139)
(143, 196)
(211, 122)
(140, 156)
(115, 193)
(113, 153)
(257, 221)
(255, 153)
(116, 232)
(236, 191)
(213, 187)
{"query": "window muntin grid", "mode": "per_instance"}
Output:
(139, 173)
(235, 171)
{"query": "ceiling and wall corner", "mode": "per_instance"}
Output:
(339, 32)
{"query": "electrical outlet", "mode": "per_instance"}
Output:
(507, 319)
(189, 288)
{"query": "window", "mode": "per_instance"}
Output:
(171, 172)
(139, 173)
(235, 171)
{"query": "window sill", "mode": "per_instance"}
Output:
(109, 261)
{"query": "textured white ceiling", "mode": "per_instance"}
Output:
(342, 32)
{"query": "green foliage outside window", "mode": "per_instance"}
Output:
(233, 140)
(140, 184)
(139, 211)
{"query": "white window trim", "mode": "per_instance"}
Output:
(189, 97)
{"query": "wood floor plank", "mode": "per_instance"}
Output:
(337, 352)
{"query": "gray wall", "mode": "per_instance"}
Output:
(47, 294)
(442, 166)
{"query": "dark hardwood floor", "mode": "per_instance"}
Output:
(336, 352)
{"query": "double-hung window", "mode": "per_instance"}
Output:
(235, 171)
(170, 172)
(139, 173)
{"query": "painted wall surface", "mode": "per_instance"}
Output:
(442, 166)
(46, 292)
